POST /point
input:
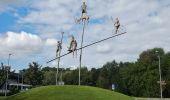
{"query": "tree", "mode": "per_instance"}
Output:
(49, 75)
(103, 80)
(33, 74)
(49, 78)
(166, 74)
(145, 74)
(93, 76)
(2, 75)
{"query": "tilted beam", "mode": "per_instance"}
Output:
(87, 46)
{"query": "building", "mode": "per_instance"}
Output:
(15, 81)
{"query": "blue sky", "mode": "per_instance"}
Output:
(30, 29)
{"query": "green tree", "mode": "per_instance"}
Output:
(49, 78)
(166, 74)
(103, 80)
(2, 75)
(33, 74)
(145, 74)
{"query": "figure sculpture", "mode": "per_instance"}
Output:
(59, 47)
(73, 46)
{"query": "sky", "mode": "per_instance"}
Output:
(30, 29)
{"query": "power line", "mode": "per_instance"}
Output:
(87, 46)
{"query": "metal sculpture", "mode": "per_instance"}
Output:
(116, 25)
(73, 46)
(73, 43)
(59, 47)
(84, 19)
(84, 16)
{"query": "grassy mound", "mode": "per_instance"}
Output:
(68, 93)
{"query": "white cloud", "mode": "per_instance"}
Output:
(21, 44)
(6, 5)
(51, 42)
(105, 48)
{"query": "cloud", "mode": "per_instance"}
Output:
(8, 5)
(51, 42)
(105, 48)
(21, 44)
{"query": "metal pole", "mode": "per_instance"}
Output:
(22, 80)
(18, 81)
(160, 76)
(61, 79)
(7, 75)
(81, 51)
(59, 60)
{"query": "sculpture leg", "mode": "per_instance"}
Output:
(73, 53)
(76, 53)
(116, 31)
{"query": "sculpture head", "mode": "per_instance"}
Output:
(58, 42)
(72, 37)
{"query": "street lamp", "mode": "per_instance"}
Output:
(7, 74)
(22, 71)
(160, 77)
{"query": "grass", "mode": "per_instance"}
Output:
(1, 98)
(68, 93)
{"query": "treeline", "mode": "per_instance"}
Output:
(138, 78)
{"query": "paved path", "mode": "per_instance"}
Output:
(150, 99)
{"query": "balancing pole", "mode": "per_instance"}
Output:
(87, 46)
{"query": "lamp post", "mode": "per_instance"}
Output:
(7, 74)
(22, 71)
(160, 74)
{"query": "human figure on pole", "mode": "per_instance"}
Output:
(59, 47)
(84, 16)
(84, 9)
(73, 45)
(117, 25)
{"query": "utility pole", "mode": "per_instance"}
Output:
(7, 75)
(62, 33)
(160, 74)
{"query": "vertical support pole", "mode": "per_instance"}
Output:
(6, 86)
(22, 71)
(18, 82)
(57, 76)
(59, 59)
(7, 75)
(160, 76)
(61, 77)
(81, 51)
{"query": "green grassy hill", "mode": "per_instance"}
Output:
(68, 93)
